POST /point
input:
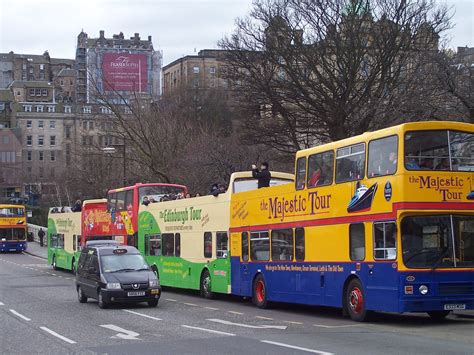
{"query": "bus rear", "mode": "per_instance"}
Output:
(13, 228)
(96, 222)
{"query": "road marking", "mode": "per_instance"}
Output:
(190, 304)
(281, 327)
(171, 300)
(209, 330)
(141, 314)
(212, 308)
(292, 322)
(233, 312)
(122, 333)
(296, 347)
(266, 318)
(54, 274)
(2, 304)
(52, 332)
(336, 326)
(19, 315)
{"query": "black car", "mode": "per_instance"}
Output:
(110, 272)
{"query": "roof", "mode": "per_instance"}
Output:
(66, 72)
(6, 95)
(62, 61)
(203, 54)
(30, 84)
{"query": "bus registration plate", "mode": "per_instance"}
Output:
(136, 293)
(452, 307)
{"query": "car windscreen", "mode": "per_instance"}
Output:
(123, 262)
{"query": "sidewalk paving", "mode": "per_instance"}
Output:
(34, 249)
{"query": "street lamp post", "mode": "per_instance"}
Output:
(111, 149)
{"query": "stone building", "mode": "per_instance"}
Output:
(11, 182)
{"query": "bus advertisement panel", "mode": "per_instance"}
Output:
(379, 222)
(13, 228)
(96, 222)
(64, 237)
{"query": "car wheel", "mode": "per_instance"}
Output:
(260, 292)
(100, 299)
(206, 285)
(438, 315)
(80, 295)
(355, 301)
(153, 303)
(55, 266)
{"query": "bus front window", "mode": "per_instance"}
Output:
(444, 241)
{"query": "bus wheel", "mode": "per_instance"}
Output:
(260, 292)
(55, 266)
(100, 299)
(355, 301)
(205, 288)
(438, 315)
(80, 295)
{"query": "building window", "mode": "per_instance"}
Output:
(52, 124)
(86, 109)
(53, 155)
(91, 125)
(212, 70)
(385, 237)
(61, 82)
(44, 92)
(51, 108)
(41, 172)
(41, 66)
(41, 75)
(41, 124)
(357, 241)
(84, 140)
(68, 132)
(32, 92)
(41, 155)
(39, 108)
(67, 109)
(196, 70)
(40, 141)
(105, 110)
(29, 124)
(52, 141)
(28, 169)
(27, 108)
(38, 92)
(28, 155)
(5, 139)
(29, 140)
(282, 245)
(259, 246)
(207, 244)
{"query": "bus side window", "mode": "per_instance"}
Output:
(147, 244)
(350, 163)
(385, 237)
(177, 244)
(320, 169)
(154, 245)
(357, 241)
(282, 244)
(111, 201)
(383, 153)
(301, 173)
(222, 245)
(245, 246)
(259, 246)
(299, 244)
(120, 201)
(128, 199)
(207, 244)
(168, 244)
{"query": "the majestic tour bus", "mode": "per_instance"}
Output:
(186, 241)
(383, 221)
(13, 228)
(96, 222)
(123, 204)
(64, 238)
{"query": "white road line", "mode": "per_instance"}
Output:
(190, 304)
(266, 318)
(52, 332)
(19, 315)
(292, 322)
(296, 347)
(171, 300)
(141, 314)
(2, 304)
(234, 312)
(209, 330)
(212, 308)
(221, 321)
(336, 326)
(54, 274)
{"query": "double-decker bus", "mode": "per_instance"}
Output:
(13, 228)
(383, 221)
(186, 241)
(64, 238)
(123, 205)
(96, 222)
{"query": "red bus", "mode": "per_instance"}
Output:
(96, 222)
(123, 204)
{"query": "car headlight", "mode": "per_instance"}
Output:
(113, 285)
(154, 283)
(423, 289)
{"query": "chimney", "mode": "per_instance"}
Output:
(137, 36)
(101, 32)
(149, 38)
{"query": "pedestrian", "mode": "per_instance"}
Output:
(41, 236)
(263, 175)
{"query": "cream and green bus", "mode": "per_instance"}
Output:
(186, 241)
(64, 236)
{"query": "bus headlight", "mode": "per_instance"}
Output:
(113, 286)
(423, 289)
(154, 283)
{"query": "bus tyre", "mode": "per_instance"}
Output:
(153, 303)
(80, 295)
(101, 301)
(438, 316)
(205, 287)
(260, 292)
(355, 301)
(55, 265)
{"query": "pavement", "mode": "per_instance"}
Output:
(39, 313)
(35, 249)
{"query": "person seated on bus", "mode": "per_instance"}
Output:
(315, 178)
(427, 164)
(145, 201)
(77, 206)
(410, 162)
(285, 254)
(443, 164)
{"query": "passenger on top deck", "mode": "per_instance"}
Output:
(263, 175)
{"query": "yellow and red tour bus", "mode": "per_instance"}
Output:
(383, 221)
(123, 205)
(96, 222)
(13, 228)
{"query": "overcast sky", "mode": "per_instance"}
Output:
(178, 27)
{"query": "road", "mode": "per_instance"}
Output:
(39, 313)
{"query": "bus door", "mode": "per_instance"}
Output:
(245, 287)
(221, 266)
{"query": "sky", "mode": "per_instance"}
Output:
(178, 27)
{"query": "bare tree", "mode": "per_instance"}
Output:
(320, 70)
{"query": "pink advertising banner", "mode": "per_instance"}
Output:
(124, 72)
